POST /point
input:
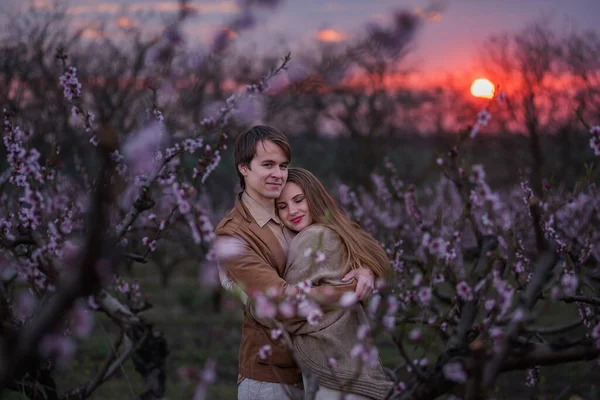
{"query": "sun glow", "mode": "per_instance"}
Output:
(483, 88)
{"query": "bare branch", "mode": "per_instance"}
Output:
(555, 329)
(547, 354)
(580, 299)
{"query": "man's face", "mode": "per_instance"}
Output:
(267, 172)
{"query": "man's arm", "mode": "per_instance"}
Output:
(250, 271)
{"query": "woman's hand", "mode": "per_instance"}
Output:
(365, 282)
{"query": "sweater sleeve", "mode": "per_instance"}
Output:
(316, 255)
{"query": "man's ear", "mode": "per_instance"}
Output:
(243, 169)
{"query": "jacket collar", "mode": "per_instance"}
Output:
(265, 235)
(261, 215)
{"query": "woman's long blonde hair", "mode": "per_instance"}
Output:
(361, 249)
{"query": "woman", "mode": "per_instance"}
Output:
(325, 348)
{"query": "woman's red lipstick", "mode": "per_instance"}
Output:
(297, 219)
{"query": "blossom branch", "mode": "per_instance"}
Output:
(543, 267)
(84, 281)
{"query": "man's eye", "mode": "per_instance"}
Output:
(284, 167)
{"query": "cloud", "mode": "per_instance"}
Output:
(91, 34)
(221, 7)
(330, 35)
(428, 14)
(124, 22)
(433, 12)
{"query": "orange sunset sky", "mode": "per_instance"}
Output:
(448, 42)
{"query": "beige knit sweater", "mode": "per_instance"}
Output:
(336, 334)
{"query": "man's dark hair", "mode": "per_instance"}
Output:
(245, 146)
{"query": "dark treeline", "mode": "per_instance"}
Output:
(336, 100)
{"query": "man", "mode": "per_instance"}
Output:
(262, 155)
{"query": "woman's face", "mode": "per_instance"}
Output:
(292, 208)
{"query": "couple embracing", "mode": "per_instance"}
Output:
(280, 214)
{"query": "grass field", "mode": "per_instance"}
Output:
(194, 333)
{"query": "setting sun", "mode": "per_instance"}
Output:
(482, 88)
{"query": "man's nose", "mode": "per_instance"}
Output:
(277, 173)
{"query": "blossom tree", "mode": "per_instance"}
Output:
(64, 235)
(478, 271)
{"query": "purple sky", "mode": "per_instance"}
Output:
(446, 43)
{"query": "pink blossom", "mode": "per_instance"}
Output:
(60, 348)
(24, 306)
(123, 287)
(184, 207)
(389, 322)
(82, 320)
(501, 97)
(400, 387)
(363, 332)
(305, 286)
(415, 334)
(314, 317)
(410, 201)
(417, 280)
(374, 304)
(140, 147)
(474, 131)
(92, 303)
(319, 256)
(478, 174)
(463, 291)
(518, 315)
(483, 117)
(392, 303)
(228, 247)
(596, 332)
(276, 333)
(454, 372)
(595, 145)
(208, 374)
(357, 350)
(438, 247)
(70, 84)
(264, 307)
(348, 299)
(425, 295)
(264, 352)
(532, 377)
(569, 284)
(287, 309)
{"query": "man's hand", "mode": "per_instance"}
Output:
(365, 282)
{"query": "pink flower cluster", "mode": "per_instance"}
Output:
(70, 84)
(595, 139)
